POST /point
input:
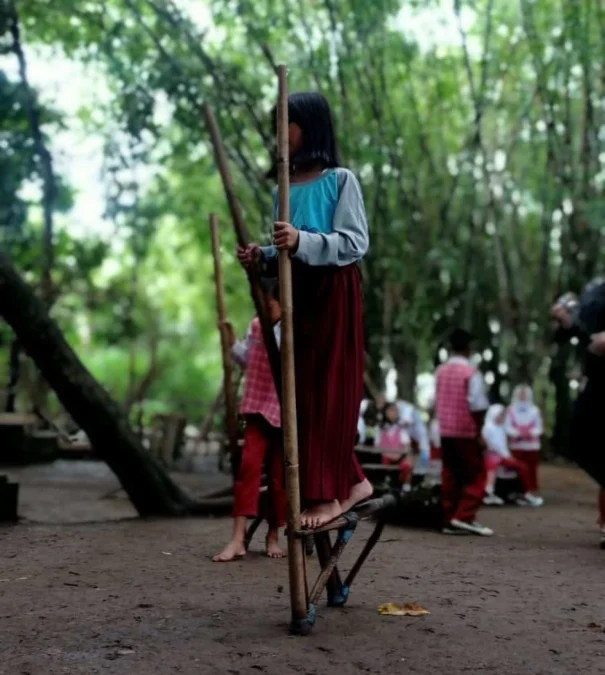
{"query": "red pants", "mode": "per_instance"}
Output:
(463, 478)
(513, 464)
(260, 439)
(531, 459)
(406, 467)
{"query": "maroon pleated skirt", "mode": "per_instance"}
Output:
(329, 362)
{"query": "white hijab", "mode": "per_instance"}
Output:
(494, 433)
(523, 411)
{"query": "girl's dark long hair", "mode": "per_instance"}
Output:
(311, 112)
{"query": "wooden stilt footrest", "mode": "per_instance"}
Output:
(360, 511)
(329, 554)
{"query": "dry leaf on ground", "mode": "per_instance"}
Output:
(408, 609)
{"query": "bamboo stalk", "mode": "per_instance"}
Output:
(228, 388)
(243, 239)
(296, 558)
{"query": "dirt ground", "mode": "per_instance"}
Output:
(140, 598)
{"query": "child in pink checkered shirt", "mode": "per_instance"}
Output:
(261, 409)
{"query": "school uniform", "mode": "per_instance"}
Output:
(262, 436)
(461, 402)
(498, 453)
(524, 429)
(397, 444)
(411, 421)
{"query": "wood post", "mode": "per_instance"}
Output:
(296, 560)
(243, 239)
(228, 388)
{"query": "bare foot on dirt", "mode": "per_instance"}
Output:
(274, 550)
(235, 550)
(320, 514)
(359, 492)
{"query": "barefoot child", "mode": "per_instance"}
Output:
(498, 455)
(461, 407)
(261, 409)
(327, 238)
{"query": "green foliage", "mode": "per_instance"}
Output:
(480, 154)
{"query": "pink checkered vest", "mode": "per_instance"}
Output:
(260, 397)
(525, 438)
(393, 437)
(453, 411)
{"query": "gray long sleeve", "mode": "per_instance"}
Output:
(349, 240)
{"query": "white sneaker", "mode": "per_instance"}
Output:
(448, 529)
(493, 500)
(472, 528)
(530, 500)
(406, 488)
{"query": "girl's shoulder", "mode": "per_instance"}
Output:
(345, 176)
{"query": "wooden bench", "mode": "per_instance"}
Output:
(23, 442)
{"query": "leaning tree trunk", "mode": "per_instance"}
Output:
(14, 370)
(148, 486)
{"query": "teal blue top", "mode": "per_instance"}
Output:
(312, 204)
(329, 213)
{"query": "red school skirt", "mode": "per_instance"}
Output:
(329, 356)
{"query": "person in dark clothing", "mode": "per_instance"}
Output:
(585, 320)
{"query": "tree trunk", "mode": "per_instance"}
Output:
(14, 370)
(49, 190)
(148, 486)
(49, 184)
(406, 363)
(558, 376)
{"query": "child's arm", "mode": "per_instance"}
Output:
(509, 427)
(361, 431)
(494, 441)
(241, 349)
(477, 399)
(349, 241)
(420, 434)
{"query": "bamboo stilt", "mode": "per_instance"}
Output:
(296, 557)
(228, 387)
(243, 239)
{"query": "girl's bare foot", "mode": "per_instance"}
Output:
(358, 493)
(320, 514)
(274, 550)
(235, 550)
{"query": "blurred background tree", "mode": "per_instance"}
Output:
(477, 129)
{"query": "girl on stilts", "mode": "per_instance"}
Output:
(327, 238)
